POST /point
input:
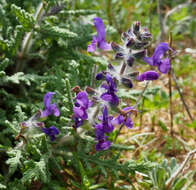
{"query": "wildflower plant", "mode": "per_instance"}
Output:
(70, 139)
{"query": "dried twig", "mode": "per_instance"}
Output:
(180, 169)
(181, 95)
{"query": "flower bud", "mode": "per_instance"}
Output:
(111, 67)
(130, 43)
(99, 76)
(127, 82)
(148, 75)
(130, 61)
(124, 36)
(136, 28)
(133, 75)
(116, 47)
(119, 56)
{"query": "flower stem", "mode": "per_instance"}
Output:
(94, 70)
(118, 133)
(181, 95)
(123, 67)
(141, 95)
(170, 90)
(27, 42)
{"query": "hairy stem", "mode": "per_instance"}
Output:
(123, 67)
(27, 39)
(94, 70)
(27, 42)
(141, 115)
(118, 132)
(170, 90)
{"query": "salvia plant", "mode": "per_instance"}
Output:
(70, 140)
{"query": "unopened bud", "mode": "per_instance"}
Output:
(116, 47)
(99, 76)
(136, 28)
(127, 82)
(119, 56)
(130, 61)
(148, 75)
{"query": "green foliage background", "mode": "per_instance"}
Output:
(43, 48)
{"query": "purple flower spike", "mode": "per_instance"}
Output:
(148, 75)
(51, 132)
(99, 40)
(156, 59)
(50, 109)
(104, 127)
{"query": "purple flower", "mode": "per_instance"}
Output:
(106, 124)
(51, 132)
(124, 118)
(157, 59)
(110, 95)
(80, 108)
(49, 109)
(104, 127)
(81, 105)
(148, 75)
(99, 40)
(102, 145)
(77, 122)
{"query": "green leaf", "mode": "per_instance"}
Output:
(179, 184)
(56, 31)
(85, 181)
(36, 171)
(23, 17)
(162, 125)
(2, 186)
(15, 161)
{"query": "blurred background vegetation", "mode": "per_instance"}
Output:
(43, 48)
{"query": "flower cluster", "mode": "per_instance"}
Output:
(134, 42)
(49, 109)
(105, 126)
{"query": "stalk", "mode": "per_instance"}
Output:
(170, 91)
